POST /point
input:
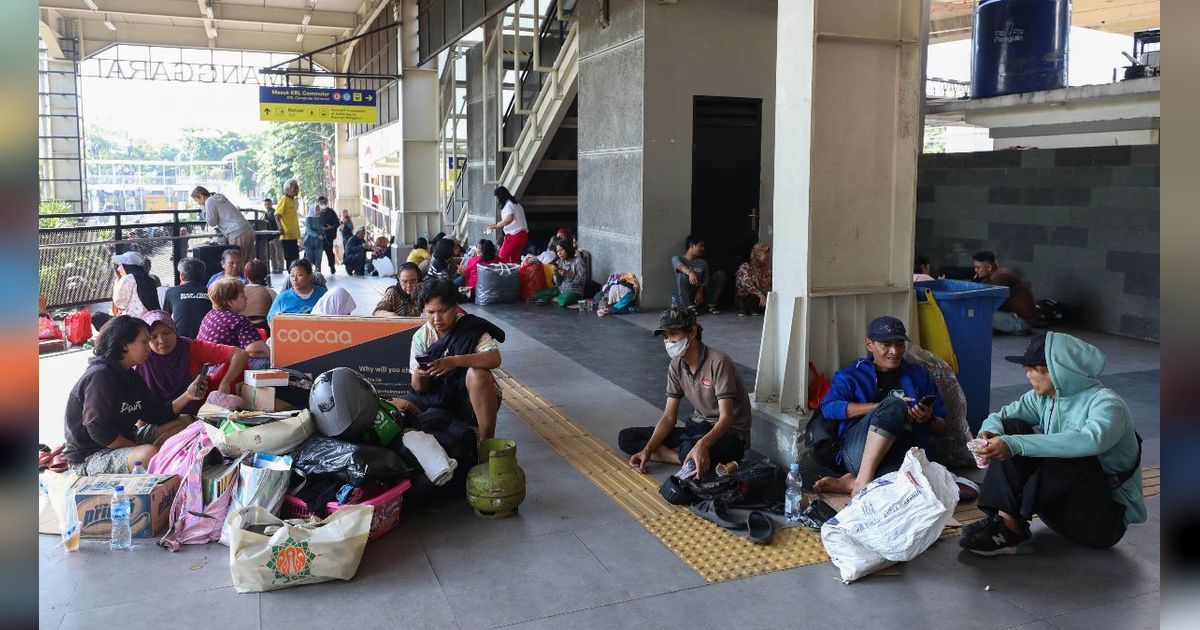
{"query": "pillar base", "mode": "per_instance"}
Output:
(778, 435)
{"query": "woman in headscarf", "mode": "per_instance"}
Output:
(175, 362)
(134, 291)
(226, 325)
(355, 257)
(753, 281)
(314, 236)
(336, 302)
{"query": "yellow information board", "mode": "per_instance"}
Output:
(305, 104)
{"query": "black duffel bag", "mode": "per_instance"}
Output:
(822, 440)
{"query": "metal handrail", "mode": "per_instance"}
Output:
(550, 19)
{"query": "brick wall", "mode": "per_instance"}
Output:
(1080, 224)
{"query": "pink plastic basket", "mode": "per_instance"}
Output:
(384, 520)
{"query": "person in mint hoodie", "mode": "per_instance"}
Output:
(1079, 472)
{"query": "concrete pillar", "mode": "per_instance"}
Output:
(347, 180)
(481, 98)
(417, 201)
(611, 93)
(847, 129)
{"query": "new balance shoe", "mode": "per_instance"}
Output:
(971, 528)
(996, 539)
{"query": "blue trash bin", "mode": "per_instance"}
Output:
(968, 308)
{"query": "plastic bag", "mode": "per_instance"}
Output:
(278, 437)
(533, 279)
(47, 330)
(894, 519)
(935, 335)
(262, 481)
(79, 327)
(498, 283)
(355, 464)
(266, 553)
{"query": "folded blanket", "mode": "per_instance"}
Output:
(433, 459)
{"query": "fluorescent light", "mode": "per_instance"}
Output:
(91, 5)
(307, 19)
(208, 11)
(212, 32)
(299, 37)
(108, 24)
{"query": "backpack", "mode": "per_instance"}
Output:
(79, 327)
(752, 485)
(191, 522)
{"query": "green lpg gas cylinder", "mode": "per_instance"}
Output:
(496, 486)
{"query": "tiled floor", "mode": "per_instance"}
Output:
(573, 559)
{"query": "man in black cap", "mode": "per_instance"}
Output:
(719, 430)
(1079, 472)
(884, 406)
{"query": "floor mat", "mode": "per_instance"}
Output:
(711, 551)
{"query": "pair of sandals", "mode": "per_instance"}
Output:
(758, 527)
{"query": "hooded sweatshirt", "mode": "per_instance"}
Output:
(1081, 419)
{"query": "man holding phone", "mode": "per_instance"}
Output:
(884, 406)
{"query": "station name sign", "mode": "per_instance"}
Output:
(308, 104)
(182, 72)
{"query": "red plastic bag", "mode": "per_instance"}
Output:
(79, 327)
(817, 387)
(533, 279)
(47, 329)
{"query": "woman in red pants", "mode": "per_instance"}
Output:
(512, 221)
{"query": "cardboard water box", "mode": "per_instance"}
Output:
(150, 498)
(257, 398)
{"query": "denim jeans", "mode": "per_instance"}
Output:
(889, 419)
(1006, 322)
(685, 290)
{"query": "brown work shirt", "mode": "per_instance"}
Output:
(716, 378)
(1020, 298)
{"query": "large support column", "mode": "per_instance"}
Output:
(847, 130)
(347, 181)
(417, 206)
(481, 104)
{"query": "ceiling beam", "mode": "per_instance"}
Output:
(222, 13)
(95, 38)
(50, 38)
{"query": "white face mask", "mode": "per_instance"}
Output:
(676, 348)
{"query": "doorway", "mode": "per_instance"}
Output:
(726, 164)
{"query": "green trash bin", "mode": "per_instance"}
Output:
(968, 308)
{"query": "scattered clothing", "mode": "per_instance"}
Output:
(187, 303)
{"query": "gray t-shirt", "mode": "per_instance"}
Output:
(699, 265)
(715, 379)
(221, 213)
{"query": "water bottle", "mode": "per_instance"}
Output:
(119, 510)
(138, 468)
(793, 496)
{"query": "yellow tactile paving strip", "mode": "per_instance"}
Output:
(710, 550)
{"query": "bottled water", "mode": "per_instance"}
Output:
(119, 510)
(793, 496)
(138, 468)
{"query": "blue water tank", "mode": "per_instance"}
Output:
(1019, 46)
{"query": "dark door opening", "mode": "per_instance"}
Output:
(726, 164)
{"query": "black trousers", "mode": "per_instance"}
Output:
(729, 448)
(291, 251)
(1071, 495)
(327, 245)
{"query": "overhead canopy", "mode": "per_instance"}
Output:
(289, 26)
(951, 19)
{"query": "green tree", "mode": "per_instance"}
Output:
(206, 145)
(292, 150)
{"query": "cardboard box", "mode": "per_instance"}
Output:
(266, 378)
(150, 498)
(257, 398)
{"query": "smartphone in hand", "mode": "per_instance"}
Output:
(927, 401)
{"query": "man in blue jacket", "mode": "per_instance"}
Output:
(1079, 473)
(884, 406)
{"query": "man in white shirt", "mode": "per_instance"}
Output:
(219, 212)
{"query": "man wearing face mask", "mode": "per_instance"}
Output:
(884, 406)
(719, 430)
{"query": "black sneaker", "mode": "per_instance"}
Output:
(996, 539)
(970, 528)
